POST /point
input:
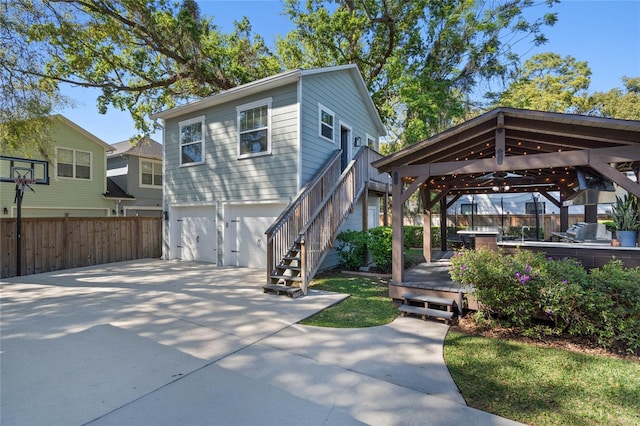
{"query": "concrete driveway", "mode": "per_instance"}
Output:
(156, 342)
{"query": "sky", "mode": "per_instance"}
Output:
(605, 34)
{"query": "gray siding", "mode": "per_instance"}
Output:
(337, 92)
(225, 177)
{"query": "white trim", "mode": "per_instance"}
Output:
(120, 171)
(349, 142)
(153, 162)
(278, 80)
(299, 136)
(253, 105)
(200, 119)
(376, 141)
(322, 108)
(13, 209)
(74, 164)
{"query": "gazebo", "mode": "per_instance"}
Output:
(511, 150)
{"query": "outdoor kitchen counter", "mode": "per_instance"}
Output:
(485, 237)
(589, 254)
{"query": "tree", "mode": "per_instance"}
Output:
(419, 59)
(26, 100)
(618, 103)
(549, 82)
(144, 56)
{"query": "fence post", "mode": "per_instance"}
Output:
(65, 242)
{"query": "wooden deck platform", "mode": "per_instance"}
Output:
(432, 279)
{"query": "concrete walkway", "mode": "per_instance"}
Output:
(154, 342)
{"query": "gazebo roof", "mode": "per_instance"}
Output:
(521, 150)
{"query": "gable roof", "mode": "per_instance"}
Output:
(64, 120)
(146, 148)
(546, 149)
(274, 81)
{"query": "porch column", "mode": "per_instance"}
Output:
(443, 224)
(397, 272)
(564, 213)
(426, 223)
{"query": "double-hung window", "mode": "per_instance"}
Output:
(192, 141)
(150, 174)
(74, 164)
(326, 122)
(254, 128)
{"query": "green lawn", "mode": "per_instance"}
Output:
(543, 386)
(527, 383)
(368, 304)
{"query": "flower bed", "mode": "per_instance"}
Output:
(544, 296)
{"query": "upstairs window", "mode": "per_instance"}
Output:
(150, 174)
(326, 120)
(73, 164)
(192, 141)
(254, 136)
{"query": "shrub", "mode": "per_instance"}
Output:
(613, 305)
(543, 296)
(414, 236)
(380, 244)
(352, 249)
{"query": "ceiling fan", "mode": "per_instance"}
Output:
(502, 180)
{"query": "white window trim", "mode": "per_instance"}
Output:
(200, 119)
(251, 105)
(320, 123)
(154, 162)
(376, 142)
(75, 164)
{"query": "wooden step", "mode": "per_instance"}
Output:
(283, 289)
(426, 312)
(285, 267)
(286, 278)
(429, 300)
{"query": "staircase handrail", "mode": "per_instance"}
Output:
(304, 191)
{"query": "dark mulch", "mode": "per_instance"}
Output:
(570, 343)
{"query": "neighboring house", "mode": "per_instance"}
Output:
(134, 172)
(235, 161)
(77, 182)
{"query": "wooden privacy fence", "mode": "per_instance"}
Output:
(52, 244)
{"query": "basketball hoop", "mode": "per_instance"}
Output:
(23, 182)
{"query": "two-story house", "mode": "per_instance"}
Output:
(76, 183)
(287, 155)
(136, 168)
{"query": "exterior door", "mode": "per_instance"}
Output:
(345, 145)
(250, 247)
(198, 238)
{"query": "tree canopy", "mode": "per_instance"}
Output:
(420, 59)
(423, 61)
(143, 56)
(549, 82)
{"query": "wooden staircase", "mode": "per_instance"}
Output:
(427, 306)
(301, 236)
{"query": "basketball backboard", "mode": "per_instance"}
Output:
(14, 167)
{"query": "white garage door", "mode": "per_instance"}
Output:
(245, 241)
(194, 235)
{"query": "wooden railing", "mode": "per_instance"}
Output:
(314, 216)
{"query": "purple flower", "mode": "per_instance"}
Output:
(549, 258)
(522, 278)
(463, 268)
(527, 268)
(565, 281)
(549, 312)
(460, 254)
